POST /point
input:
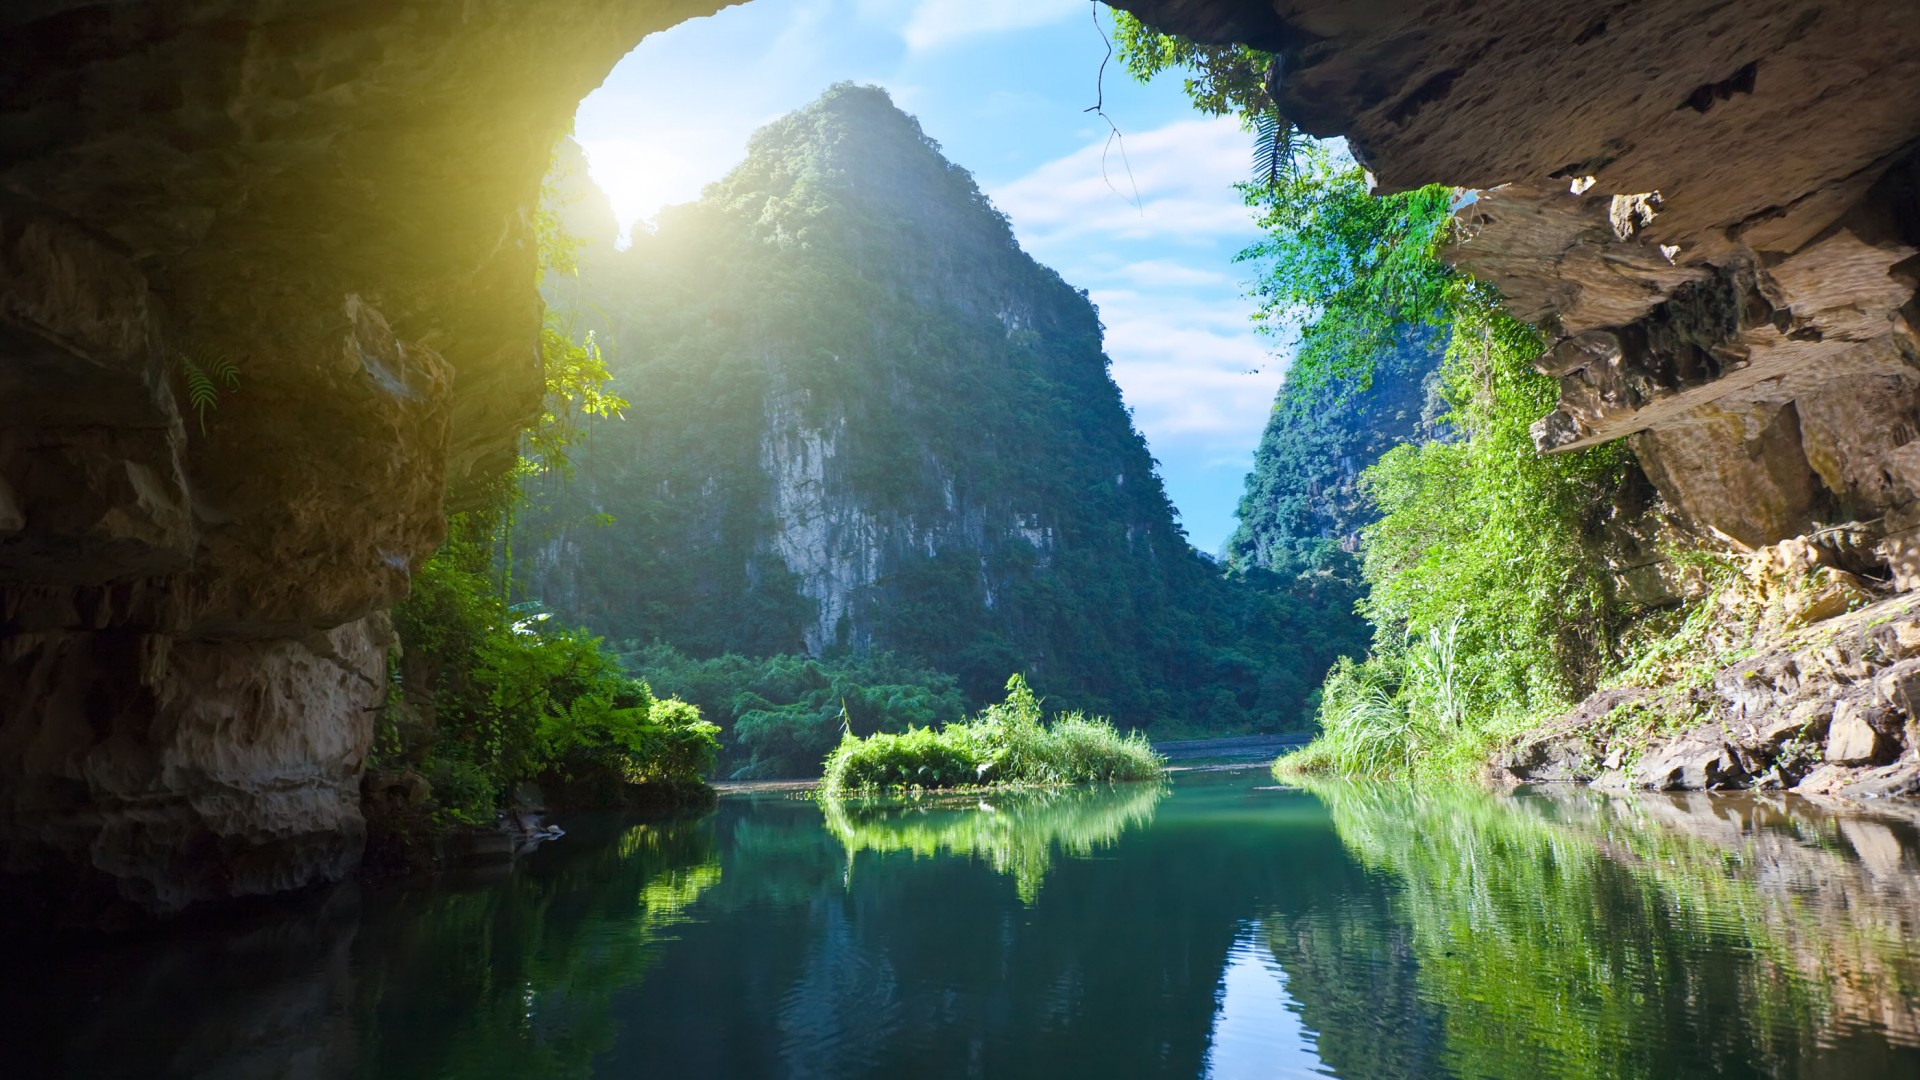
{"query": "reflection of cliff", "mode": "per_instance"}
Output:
(1586, 936)
(1017, 831)
(1353, 972)
(518, 979)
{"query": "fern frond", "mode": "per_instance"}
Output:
(223, 370)
(204, 376)
(1273, 149)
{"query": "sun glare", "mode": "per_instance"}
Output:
(647, 170)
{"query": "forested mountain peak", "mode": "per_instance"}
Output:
(866, 420)
(852, 150)
(1303, 497)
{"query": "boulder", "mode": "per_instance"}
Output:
(1694, 763)
(1855, 736)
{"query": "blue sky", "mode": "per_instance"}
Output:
(1002, 85)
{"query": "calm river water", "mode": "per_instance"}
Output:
(1214, 926)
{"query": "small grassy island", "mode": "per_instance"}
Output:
(1006, 745)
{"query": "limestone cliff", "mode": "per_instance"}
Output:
(1712, 207)
(1714, 210)
(864, 418)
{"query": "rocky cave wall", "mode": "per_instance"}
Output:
(334, 198)
(1711, 205)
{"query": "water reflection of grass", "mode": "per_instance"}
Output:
(1599, 937)
(1017, 832)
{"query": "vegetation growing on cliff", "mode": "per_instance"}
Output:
(1008, 743)
(1488, 594)
(496, 698)
(1303, 506)
(875, 424)
(486, 693)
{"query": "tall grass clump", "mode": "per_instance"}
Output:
(1405, 711)
(1006, 744)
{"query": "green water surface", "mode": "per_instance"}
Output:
(1217, 925)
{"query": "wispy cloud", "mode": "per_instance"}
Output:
(1192, 382)
(1184, 350)
(942, 22)
(1161, 273)
(1183, 173)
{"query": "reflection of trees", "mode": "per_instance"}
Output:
(1422, 935)
(1586, 936)
(517, 978)
(1016, 831)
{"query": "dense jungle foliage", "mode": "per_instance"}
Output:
(491, 697)
(1486, 586)
(779, 716)
(875, 424)
(1303, 506)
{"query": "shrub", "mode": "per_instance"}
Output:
(1405, 711)
(1007, 743)
(511, 701)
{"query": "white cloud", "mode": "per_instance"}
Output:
(1160, 273)
(1188, 382)
(941, 22)
(1191, 366)
(1178, 327)
(1219, 310)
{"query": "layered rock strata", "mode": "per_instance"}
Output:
(1833, 708)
